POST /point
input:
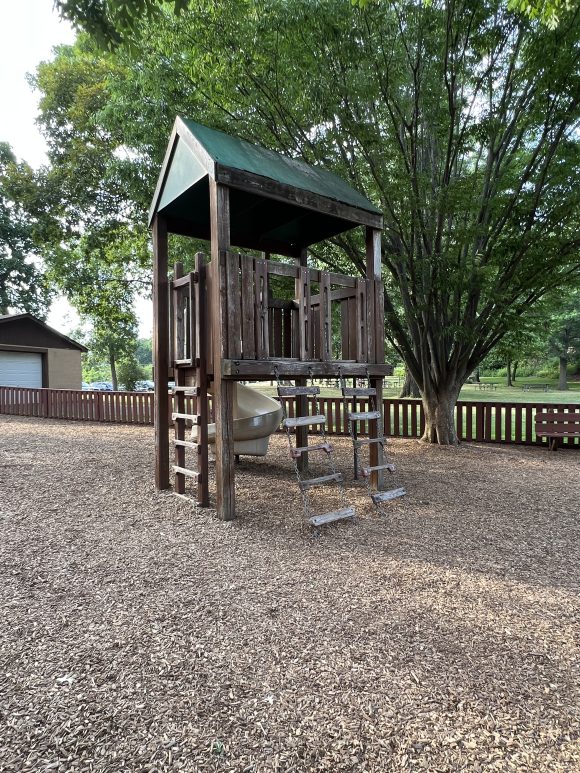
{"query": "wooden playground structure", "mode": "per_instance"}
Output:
(243, 317)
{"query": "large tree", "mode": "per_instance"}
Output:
(458, 117)
(23, 286)
(93, 236)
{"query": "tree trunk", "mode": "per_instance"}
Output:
(410, 388)
(440, 418)
(477, 377)
(113, 365)
(509, 373)
(514, 369)
(563, 380)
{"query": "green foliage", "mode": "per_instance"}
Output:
(549, 12)
(111, 21)
(144, 352)
(129, 372)
(23, 286)
(459, 119)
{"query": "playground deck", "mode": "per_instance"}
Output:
(137, 634)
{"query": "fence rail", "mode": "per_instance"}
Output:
(482, 421)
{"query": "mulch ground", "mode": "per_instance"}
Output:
(138, 634)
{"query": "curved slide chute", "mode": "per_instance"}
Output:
(256, 417)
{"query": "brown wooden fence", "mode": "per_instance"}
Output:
(488, 422)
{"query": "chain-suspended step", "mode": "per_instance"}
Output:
(309, 482)
(317, 420)
(386, 496)
(335, 515)
(373, 414)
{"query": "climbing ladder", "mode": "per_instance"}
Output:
(373, 414)
(188, 347)
(307, 484)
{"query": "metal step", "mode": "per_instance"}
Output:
(335, 477)
(366, 471)
(296, 391)
(356, 392)
(184, 416)
(385, 496)
(362, 416)
(296, 453)
(335, 515)
(188, 473)
(303, 421)
(188, 391)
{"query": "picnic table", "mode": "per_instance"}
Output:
(491, 385)
(536, 387)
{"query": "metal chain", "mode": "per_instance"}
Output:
(303, 492)
(329, 454)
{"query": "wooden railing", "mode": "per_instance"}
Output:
(79, 405)
(487, 422)
(291, 311)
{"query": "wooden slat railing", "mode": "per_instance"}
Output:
(486, 422)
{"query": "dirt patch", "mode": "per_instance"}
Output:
(139, 634)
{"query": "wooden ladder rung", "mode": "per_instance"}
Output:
(370, 441)
(186, 361)
(303, 421)
(188, 391)
(296, 391)
(364, 415)
(385, 496)
(366, 471)
(336, 477)
(184, 416)
(188, 473)
(186, 444)
(296, 453)
(356, 392)
(335, 515)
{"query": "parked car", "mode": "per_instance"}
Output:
(102, 386)
(85, 386)
(144, 386)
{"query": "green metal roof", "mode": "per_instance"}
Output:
(238, 154)
(277, 204)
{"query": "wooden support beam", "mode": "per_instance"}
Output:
(302, 292)
(161, 352)
(202, 348)
(179, 399)
(375, 295)
(224, 391)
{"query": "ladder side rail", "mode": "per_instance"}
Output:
(179, 397)
(203, 346)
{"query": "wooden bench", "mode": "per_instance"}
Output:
(539, 387)
(556, 425)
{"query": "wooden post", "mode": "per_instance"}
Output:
(178, 350)
(202, 345)
(161, 352)
(373, 254)
(224, 391)
(302, 400)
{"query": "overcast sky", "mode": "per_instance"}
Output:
(28, 32)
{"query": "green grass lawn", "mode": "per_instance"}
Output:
(470, 392)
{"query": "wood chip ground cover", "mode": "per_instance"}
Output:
(139, 634)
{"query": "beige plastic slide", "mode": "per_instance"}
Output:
(256, 417)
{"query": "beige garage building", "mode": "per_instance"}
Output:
(32, 354)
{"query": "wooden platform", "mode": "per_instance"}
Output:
(259, 370)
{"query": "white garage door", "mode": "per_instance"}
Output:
(20, 369)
